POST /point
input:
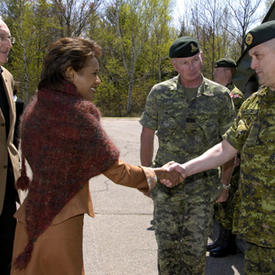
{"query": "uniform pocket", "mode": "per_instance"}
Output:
(167, 126)
(210, 128)
(253, 135)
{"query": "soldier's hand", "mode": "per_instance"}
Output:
(223, 196)
(169, 177)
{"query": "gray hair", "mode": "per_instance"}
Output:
(2, 22)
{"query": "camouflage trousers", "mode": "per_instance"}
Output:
(182, 226)
(259, 260)
(224, 211)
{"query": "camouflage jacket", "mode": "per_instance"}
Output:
(236, 95)
(253, 134)
(187, 129)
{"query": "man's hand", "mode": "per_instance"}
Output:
(223, 196)
(172, 165)
(170, 174)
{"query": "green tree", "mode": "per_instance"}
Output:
(208, 18)
(243, 14)
(135, 36)
(34, 29)
(73, 15)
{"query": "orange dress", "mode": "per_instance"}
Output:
(59, 249)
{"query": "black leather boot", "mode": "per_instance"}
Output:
(218, 240)
(227, 245)
(212, 245)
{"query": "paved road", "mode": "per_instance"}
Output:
(116, 241)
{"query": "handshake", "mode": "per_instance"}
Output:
(171, 174)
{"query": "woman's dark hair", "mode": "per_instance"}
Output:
(63, 53)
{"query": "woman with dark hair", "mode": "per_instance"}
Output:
(65, 146)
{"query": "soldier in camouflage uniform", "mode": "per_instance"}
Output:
(190, 113)
(225, 242)
(224, 70)
(253, 135)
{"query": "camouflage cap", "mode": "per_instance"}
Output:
(260, 34)
(225, 62)
(184, 46)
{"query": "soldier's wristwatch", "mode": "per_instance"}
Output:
(226, 186)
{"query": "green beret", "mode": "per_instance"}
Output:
(225, 62)
(260, 34)
(184, 46)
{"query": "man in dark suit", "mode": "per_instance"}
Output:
(9, 159)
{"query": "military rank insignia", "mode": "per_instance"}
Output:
(249, 39)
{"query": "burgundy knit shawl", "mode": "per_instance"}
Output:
(65, 145)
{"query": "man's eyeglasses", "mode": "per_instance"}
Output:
(7, 39)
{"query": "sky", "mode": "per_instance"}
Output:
(181, 6)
